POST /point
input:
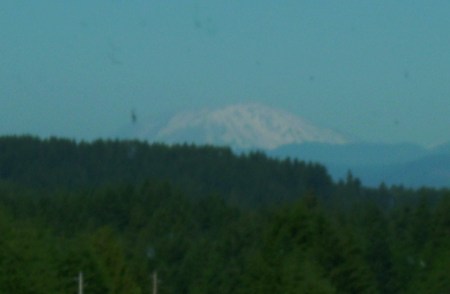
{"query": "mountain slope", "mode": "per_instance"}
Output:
(241, 126)
(394, 164)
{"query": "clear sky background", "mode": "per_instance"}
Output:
(378, 70)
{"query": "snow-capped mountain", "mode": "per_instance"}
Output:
(281, 135)
(241, 126)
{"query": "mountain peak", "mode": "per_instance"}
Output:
(242, 126)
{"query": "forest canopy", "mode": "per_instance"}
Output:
(208, 220)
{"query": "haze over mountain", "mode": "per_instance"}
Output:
(282, 134)
(393, 164)
(240, 126)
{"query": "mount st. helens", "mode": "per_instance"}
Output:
(240, 126)
(282, 134)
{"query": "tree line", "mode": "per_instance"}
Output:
(208, 221)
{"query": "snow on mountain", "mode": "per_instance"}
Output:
(243, 126)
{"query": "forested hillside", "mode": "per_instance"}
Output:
(208, 221)
(251, 179)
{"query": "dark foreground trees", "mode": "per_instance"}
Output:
(297, 233)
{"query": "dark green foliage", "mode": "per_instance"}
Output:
(250, 179)
(208, 221)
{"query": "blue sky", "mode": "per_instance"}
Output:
(378, 70)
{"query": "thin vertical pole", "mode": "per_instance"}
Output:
(155, 282)
(80, 283)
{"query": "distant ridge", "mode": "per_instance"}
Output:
(241, 126)
(393, 164)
